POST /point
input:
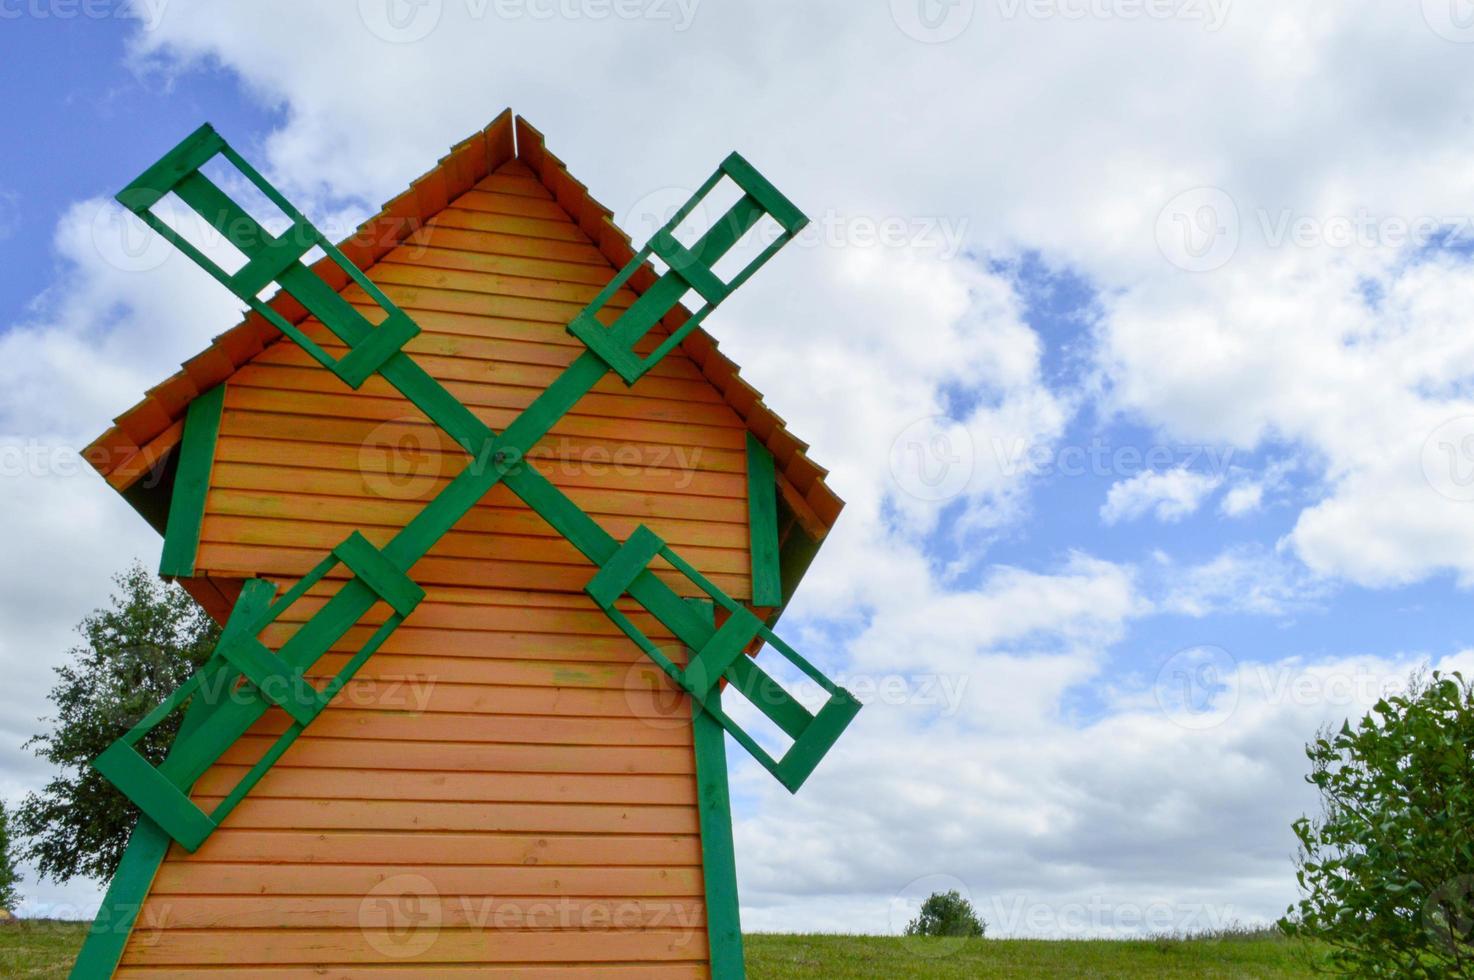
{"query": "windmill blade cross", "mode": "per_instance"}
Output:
(278, 678)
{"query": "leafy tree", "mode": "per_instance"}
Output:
(946, 914)
(9, 877)
(1387, 871)
(137, 651)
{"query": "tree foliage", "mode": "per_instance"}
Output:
(1387, 870)
(946, 914)
(9, 877)
(137, 651)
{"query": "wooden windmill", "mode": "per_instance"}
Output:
(532, 811)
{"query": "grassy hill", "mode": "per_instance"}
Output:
(37, 949)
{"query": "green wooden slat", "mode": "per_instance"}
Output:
(285, 687)
(688, 267)
(147, 845)
(718, 860)
(762, 525)
(191, 483)
(772, 200)
(193, 152)
(708, 664)
(156, 796)
(369, 564)
(628, 562)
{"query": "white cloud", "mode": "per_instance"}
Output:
(1241, 579)
(1169, 496)
(1243, 499)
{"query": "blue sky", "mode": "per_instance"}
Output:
(1270, 410)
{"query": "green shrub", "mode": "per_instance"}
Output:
(1387, 870)
(946, 914)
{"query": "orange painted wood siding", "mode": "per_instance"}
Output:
(508, 768)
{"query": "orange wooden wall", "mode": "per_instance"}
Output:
(508, 753)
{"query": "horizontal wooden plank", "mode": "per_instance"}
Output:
(515, 363)
(201, 878)
(577, 653)
(414, 299)
(492, 391)
(450, 234)
(547, 548)
(541, 818)
(573, 626)
(486, 670)
(495, 202)
(485, 519)
(414, 727)
(426, 848)
(667, 423)
(428, 668)
(295, 782)
(270, 946)
(339, 971)
(406, 473)
(245, 561)
(412, 270)
(504, 182)
(507, 913)
(502, 699)
(573, 615)
(447, 257)
(506, 224)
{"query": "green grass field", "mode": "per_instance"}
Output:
(39, 947)
(771, 957)
(34, 949)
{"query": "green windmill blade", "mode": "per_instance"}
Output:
(278, 679)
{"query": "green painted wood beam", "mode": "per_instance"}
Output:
(148, 844)
(718, 859)
(762, 525)
(192, 483)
